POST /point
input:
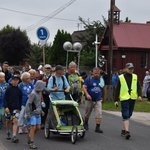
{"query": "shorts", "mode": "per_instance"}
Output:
(34, 120)
(97, 108)
(127, 108)
(14, 115)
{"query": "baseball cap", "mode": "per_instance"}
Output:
(40, 67)
(59, 67)
(47, 66)
(15, 77)
(129, 65)
(5, 62)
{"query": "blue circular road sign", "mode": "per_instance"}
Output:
(42, 33)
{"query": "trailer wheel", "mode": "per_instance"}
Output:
(47, 128)
(82, 134)
(74, 134)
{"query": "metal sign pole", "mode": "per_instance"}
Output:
(43, 55)
(43, 35)
(67, 60)
(78, 59)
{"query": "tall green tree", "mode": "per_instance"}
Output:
(36, 54)
(91, 29)
(14, 45)
(57, 55)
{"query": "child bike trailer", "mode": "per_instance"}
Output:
(64, 118)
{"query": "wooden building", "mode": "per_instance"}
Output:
(131, 43)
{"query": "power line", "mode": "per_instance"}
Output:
(45, 19)
(31, 14)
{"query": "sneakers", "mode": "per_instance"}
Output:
(98, 130)
(127, 135)
(86, 126)
(123, 133)
(15, 140)
(20, 131)
(8, 136)
(33, 146)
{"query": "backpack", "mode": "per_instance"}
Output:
(75, 83)
(54, 81)
(47, 92)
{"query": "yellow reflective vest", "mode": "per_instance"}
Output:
(124, 90)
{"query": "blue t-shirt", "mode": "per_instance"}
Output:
(26, 91)
(33, 82)
(58, 82)
(114, 79)
(93, 88)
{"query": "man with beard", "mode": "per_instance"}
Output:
(95, 95)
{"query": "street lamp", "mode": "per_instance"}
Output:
(75, 48)
(101, 60)
(96, 49)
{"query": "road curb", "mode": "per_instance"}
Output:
(141, 117)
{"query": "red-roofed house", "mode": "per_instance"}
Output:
(131, 43)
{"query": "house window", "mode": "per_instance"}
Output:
(144, 60)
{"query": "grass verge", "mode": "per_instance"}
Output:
(143, 106)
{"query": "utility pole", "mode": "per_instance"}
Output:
(109, 95)
(110, 52)
(43, 55)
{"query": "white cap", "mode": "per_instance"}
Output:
(47, 66)
(40, 67)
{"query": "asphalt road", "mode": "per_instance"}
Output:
(109, 140)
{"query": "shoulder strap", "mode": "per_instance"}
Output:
(63, 81)
(54, 80)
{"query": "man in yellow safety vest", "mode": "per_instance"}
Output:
(128, 90)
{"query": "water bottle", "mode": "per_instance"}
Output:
(43, 105)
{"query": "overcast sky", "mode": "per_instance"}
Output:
(22, 13)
